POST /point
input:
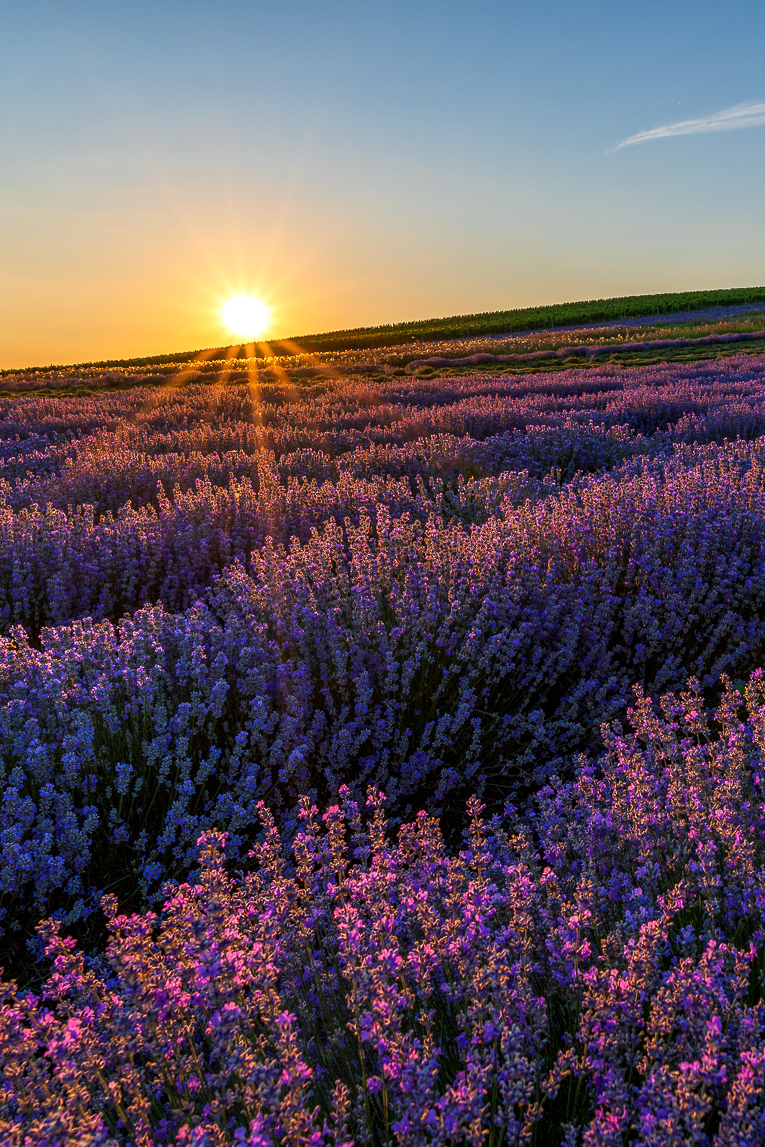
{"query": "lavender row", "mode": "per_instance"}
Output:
(54, 449)
(591, 974)
(110, 472)
(652, 393)
(57, 565)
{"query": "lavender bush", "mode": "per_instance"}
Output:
(226, 607)
(588, 974)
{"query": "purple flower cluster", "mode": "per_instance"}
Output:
(592, 970)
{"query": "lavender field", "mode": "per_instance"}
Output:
(385, 754)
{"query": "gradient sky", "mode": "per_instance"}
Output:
(359, 163)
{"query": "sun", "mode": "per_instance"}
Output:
(246, 316)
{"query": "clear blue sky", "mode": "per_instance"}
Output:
(361, 163)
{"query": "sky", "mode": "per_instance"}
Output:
(354, 164)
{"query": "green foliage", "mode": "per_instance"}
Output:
(528, 318)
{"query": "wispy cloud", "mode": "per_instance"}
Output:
(732, 119)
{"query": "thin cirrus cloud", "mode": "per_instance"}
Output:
(731, 119)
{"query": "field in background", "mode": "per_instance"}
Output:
(705, 336)
(529, 320)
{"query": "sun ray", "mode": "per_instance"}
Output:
(187, 369)
(267, 351)
(232, 353)
(253, 385)
(294, 348)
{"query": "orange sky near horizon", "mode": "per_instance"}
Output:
(111, 275)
